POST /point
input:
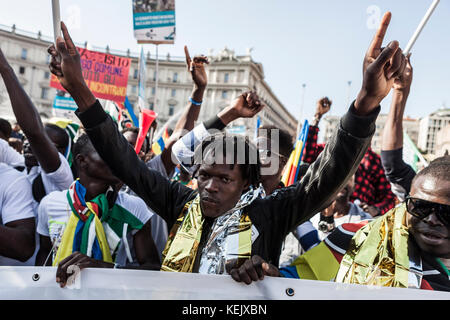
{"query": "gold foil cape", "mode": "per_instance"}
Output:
(184, 239)
(378, 252)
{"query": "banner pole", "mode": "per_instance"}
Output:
(299, 125)
(157, 77)
(421, 26)
(56, 19)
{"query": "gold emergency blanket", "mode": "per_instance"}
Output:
(184, 239)
(378, 253)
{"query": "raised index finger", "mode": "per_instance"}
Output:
(69, 43)
(188, 57)
(377, 40)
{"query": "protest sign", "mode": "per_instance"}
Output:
(154, 21)
(105, 74)
(64, 107)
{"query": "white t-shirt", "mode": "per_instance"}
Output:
(58, 180)
(54, 212)
(9, 155)
(16, 203)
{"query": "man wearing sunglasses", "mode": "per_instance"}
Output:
(410, 246)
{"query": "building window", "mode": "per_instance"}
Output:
(171, 109)
(153, 90)
(175, 77)
(224, 94)
(23, 56)
(135, 75)
(226, 77)
(152, 105)
(44, 93)
(22, 70)
(173, 93)
(154, 76)
(47, 75)
(133, 89)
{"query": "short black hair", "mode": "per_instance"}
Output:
(83, 146)
(286, 141)
(61, 133)
(5, 127)
(245, 154)
(438, 168)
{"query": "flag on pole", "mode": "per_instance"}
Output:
(130, 112)
(146, 119)
(159, 145)
(412, 155)
(258, 125)
(290, 174)
(142, 77)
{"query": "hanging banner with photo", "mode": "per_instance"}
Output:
(105, 74)
(154, 21)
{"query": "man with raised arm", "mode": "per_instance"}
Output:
(92, 224)
(46, 167)
(224, 226)
(399, 174)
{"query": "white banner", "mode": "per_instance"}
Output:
(38, 283)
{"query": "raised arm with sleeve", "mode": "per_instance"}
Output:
(29, 120)
(399, 173)
(247, 105)
(186, 122)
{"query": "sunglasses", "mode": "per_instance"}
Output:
(421, 209)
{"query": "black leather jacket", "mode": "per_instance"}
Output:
(274, 216)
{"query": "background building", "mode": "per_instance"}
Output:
(443, 141)
(429, 127)
(411, 126)
(228, 76)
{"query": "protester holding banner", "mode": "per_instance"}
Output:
(227, 196)
(371, 186)
(111, 228)
(399, 173)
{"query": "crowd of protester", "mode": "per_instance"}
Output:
(207, 205)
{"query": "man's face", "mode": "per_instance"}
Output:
(269, 158)
(58, 140)
(220, 188)
(93, 166)
(430, 233)
(132, 138)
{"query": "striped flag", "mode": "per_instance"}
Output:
(290, 175)
(159, 145)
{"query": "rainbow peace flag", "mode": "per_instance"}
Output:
(290, 174)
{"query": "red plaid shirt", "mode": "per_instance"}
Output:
(371, 185)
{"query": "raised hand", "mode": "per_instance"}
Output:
(197, 68)
(381, 67)
(66, 66)
(323, 106)
(247, 105)
(404, 80)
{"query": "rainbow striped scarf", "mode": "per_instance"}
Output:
(95, 237)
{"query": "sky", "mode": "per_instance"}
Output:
(318, 43)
